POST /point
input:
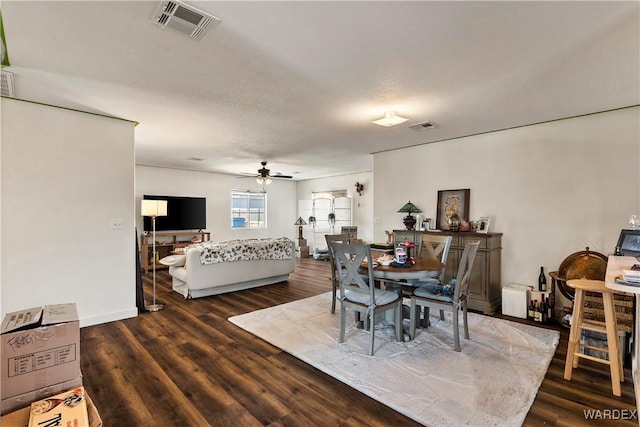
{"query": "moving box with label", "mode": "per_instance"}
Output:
(40, 348)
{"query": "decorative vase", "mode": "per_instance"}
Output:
(409, 222)
(454, 222)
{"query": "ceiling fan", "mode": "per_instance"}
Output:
(264, 175)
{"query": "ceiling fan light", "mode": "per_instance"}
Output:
(267, 180)
(390, 119)
(259, 180)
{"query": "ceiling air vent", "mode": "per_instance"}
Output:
(184, 19)
(422, 126)
(6, 84)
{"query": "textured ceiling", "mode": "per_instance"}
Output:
(298, 83)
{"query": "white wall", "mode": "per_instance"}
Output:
(281, 202)
(65, 176)
(362, 206)
(552, 189)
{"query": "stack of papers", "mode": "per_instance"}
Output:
(632, 276)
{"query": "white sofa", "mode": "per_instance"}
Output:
(193, 279)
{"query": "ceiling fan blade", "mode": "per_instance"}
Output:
(281, 176)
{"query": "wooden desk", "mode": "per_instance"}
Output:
(615, 265)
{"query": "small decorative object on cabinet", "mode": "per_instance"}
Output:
(409, 221)
(485, 284)
(169, 243)
(454, 222)
(452, 202)
(483, 224)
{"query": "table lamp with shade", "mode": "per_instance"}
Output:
(300, 222)
(153, 209)
(409, 220)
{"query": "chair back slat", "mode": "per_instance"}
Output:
(435, 247)
(464, 270)
(349, 260)
(329, 238)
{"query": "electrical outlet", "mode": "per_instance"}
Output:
(117, 224)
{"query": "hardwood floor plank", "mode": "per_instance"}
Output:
(187, 365)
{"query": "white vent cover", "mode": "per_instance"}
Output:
(422, 126)
(184, 19)
(6, 84)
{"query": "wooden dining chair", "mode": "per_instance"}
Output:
(335, 280)
(427, 298)
(358, 291)
(435, 247)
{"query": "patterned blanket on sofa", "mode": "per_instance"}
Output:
(244, 250)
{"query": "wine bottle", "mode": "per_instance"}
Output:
(542, 281)
(543, 312)
(530, 310)
(537, 316)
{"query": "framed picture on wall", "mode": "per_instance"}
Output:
(450, 202)
(483, 224)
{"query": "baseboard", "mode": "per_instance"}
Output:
(108, 317)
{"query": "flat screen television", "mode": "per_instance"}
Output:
(183, 213)
(629, 242)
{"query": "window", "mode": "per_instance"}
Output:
(248, 209)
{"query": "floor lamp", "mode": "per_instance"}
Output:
(154, 208)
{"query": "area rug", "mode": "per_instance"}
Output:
(492, 382)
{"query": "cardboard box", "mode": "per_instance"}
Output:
(65, 409)
(20, 418)
(20, 401)
(40, 347)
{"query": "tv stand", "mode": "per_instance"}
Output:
(166, 243)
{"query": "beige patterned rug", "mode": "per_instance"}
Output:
(492, 382)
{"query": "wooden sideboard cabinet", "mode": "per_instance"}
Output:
(485, 284)
(166, 243)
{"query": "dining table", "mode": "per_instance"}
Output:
(422, 268)
(402, 277)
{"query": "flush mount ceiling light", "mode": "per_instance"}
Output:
(390, 119)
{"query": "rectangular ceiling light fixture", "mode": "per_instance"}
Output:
(184, 18)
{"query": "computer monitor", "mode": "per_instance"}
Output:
(629, 242)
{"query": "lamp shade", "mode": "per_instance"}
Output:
(153, 207)
(300, 221)
(409, 208)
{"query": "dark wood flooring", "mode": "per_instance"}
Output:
(188, 366)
